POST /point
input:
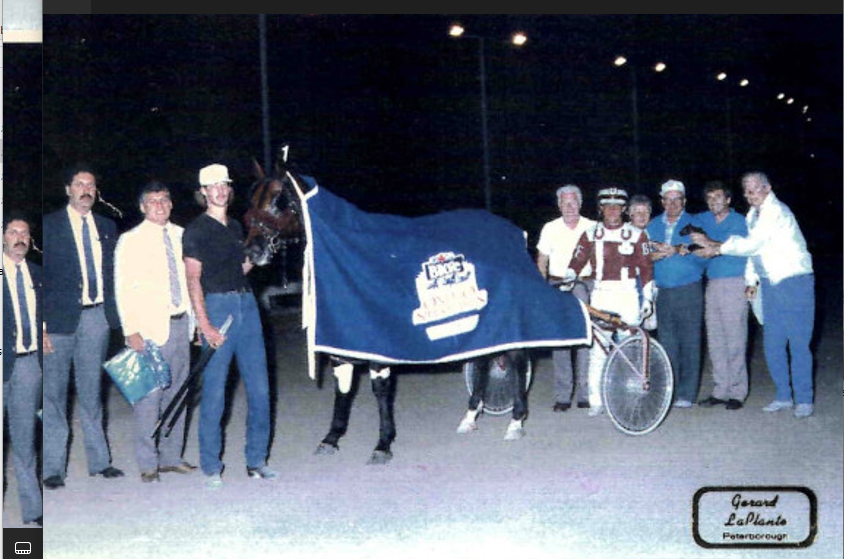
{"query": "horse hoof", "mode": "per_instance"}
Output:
(466, 426)
(325, 449)
(515, 431)
(380, 457)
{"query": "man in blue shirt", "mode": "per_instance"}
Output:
(726, 303)
(678, 277)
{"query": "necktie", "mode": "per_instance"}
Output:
(175, 290)
(89, 260)
(23, 308)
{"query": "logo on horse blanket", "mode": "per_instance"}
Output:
(435, 288)
(447, 287)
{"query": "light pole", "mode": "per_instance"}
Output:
(728, 110)
(265, 95)
(518, 39)
(634, 101)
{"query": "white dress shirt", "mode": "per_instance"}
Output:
(11, 271)
(774, 243)
(142, 280)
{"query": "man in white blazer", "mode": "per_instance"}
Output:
(153, 303)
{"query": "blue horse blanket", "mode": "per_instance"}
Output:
(443, 287)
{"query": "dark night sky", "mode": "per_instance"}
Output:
(385, 110)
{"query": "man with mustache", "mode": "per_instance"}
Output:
(79, 311)
(22, 360)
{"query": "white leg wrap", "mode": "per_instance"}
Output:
(383, 373)
(343, 374)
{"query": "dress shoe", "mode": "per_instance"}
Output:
(584, 405)
(711, 401)
(183, 468)
(778, 405)
(53, 482)
(261, 472)
(39, 521)
(562, 406)
(108, 473)
(682, 404)
(733, 404)
(150, 477)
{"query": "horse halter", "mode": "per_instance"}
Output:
(272, 220)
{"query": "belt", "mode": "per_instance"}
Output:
(25, 353)
(94, 306)
(178, 316)
(234, 291)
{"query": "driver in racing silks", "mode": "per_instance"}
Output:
(618, 253)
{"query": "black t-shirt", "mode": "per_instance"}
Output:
(220, 250)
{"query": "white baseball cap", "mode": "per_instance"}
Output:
(612, 195)
(672, 186)
(212, 174)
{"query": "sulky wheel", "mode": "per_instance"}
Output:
(637, 405)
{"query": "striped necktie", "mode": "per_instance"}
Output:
(175, 289)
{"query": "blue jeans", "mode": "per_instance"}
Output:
(789, 311)
(245, 342)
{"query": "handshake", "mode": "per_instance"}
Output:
(688, 229)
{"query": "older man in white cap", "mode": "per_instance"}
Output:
(618, 255)
(679, 278)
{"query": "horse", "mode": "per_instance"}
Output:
(513, 363)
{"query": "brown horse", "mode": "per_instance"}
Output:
(273, 215)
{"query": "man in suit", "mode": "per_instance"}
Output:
(152, 299)
(79, 311)
(22, 360)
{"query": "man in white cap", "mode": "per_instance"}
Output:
(618, 254)
(554, 249)
(679, 278)
(216, 268)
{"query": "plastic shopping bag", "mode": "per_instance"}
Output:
(137, 374)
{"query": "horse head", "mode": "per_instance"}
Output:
(274, 215)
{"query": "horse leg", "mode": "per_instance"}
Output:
(382, 386)
(517, 361)
(480, 379)
(343, 398)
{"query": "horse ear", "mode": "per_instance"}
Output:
(257, 170)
